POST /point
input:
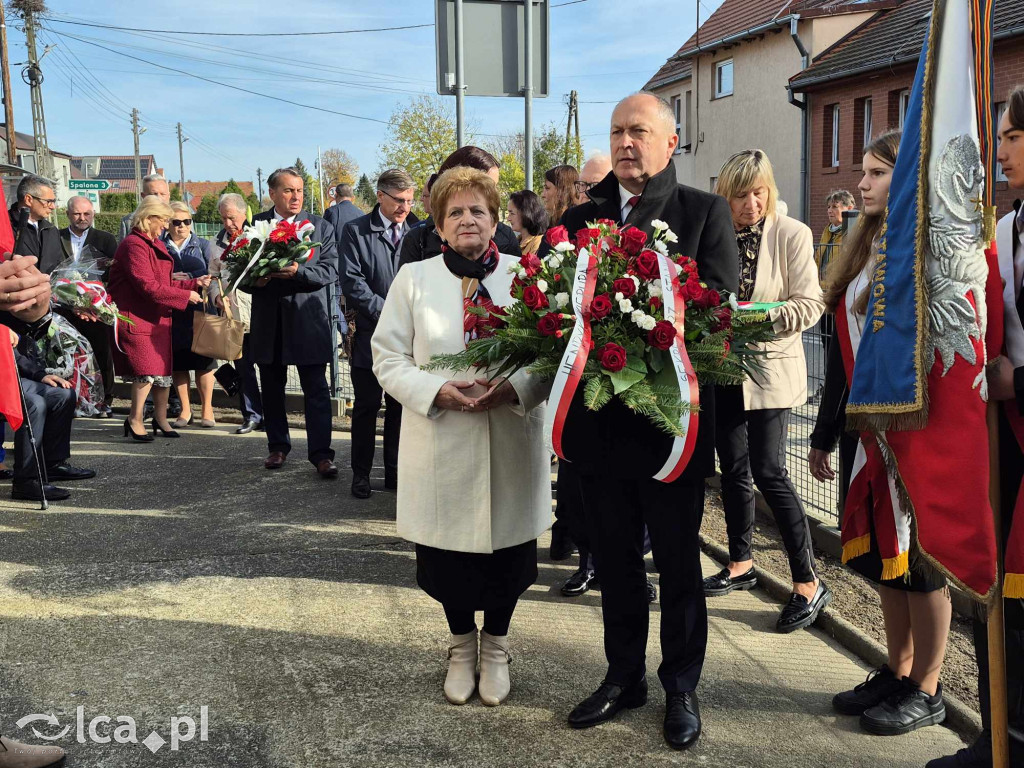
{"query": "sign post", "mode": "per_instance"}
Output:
(98, 185)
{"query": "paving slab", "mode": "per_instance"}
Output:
(281, 617)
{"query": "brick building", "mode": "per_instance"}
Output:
(860, 87)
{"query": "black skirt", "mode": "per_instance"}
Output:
(916, 579)
(187, 360)
(473, 581)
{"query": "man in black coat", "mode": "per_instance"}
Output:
(34, 233)
(617, 451)
(343, 211)
(88, 244)
(369, 261)
(291, 325)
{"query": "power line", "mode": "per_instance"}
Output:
(245, 34)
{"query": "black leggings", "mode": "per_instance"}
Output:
(496, 620)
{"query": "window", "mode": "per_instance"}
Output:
(862, 116)
(723, 79)
(677, 107)
(866, 112)
(714, 181)
(835, 135)
(998, 111)
(904, 106)
(688, 140)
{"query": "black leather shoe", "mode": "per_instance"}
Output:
(28, 490)
(562, 546)
(652, 592)
(391, 480)
(722, 584)
(248, 426)
(682, 719)
(880, 684)
(799, 612)
(6, 474)
(579, 583)
(361, 486)
(606, 702)
(978, 754)
(65, 471)
(906, 710)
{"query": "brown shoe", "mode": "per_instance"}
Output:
(328, 469)
(14, 754)
(274, 461)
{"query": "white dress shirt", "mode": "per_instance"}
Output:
(77, 243)
(624, 195)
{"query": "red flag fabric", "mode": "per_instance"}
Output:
(6, 230)
(10, 391)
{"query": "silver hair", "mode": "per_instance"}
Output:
(665, 113)
(75, 199)
(395, 180)
(152, 177)
(234, 200)
(31, 185)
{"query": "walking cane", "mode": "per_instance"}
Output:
(35, 448)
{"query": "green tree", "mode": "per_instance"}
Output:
(175, 192)
(117, 202)
(310, 189)
(339, 167)
(232, 187)
(365, 193)
(253, 202)
(421, 134)
(549, 150)
(207, 212)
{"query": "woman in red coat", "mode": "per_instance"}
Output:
(141, 286)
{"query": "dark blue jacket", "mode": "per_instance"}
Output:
(191, 260)
(341, 214)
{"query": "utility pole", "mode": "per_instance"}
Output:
(320, 177)
(136, 132)
(33, 76)
(460, 80)
(574, 114)
(5, 73)
(181, 163)
(528, 89)
(259, 183)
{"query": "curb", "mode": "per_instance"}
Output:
(959, 717)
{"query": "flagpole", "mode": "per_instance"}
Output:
(994, 626)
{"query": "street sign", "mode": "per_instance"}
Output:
(94, 196)
(100, 185)
(493, 43)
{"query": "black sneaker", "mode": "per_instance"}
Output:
(880, 684)
(978, 755)
(906, 710)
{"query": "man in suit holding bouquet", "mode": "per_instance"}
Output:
(617, 452)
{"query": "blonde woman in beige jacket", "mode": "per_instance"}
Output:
(776, 265)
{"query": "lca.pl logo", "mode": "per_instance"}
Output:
(182, 729)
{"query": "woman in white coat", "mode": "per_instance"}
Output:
(776, 265)
(476, 488)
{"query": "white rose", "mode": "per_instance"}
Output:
(562, 300)
(625, 305)
(542, 285)
(648, 323)
(637, 317)
(659, 225)
(566, 246)
(660, 247)
(654, 288)
(555, 260)
(619, 296)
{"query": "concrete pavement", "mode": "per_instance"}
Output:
(185, 576)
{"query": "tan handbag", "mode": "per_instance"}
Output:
(217, 337)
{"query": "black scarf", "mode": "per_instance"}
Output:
(460, 266)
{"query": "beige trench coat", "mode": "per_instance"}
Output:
(785, 272)
(471, 482)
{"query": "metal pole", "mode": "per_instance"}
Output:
(528, 89)
(259, 183)
(181, 164)
(5, 72)
(138, 167)
(320, 177)
(460, 78)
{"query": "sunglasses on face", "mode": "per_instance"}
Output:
(181, 222)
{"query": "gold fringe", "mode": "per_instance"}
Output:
(894, 567)
(1013, 586)
(856, 547)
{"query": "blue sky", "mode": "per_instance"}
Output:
(604, 49)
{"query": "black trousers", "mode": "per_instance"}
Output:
(496, 620)
(616, 510)
(51, 411)
(751, 449)
(368, 393)
(569, 511)
(249, 401)
(317, 396)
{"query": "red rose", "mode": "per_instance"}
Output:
(692, 290)
(625, 286)
(662, 335)
(550, 324)
(647, 265)
(600, 306)
(713, 298)
(584, 236)
(517, 282)
(531, 264)
(618, 253)
(534, 298)
(612, 357)
(721, 320)
(557, 235)
(707, 299)
(607, 222)
(633, 240)
(655, 302)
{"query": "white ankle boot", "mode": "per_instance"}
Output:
(461, 680)
(494, 659)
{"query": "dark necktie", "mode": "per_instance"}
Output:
(394, 235)
(632, 204)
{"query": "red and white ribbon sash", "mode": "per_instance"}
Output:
(570, 371)
(689, 392)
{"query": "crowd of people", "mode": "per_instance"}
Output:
(475, 491)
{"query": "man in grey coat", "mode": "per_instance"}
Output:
(370, 248)
(291, 325)
(343, 211)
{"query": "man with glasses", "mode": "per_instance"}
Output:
(34, 234)
(369, 252)
(596, 168)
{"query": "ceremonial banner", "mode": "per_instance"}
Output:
(918, 384)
